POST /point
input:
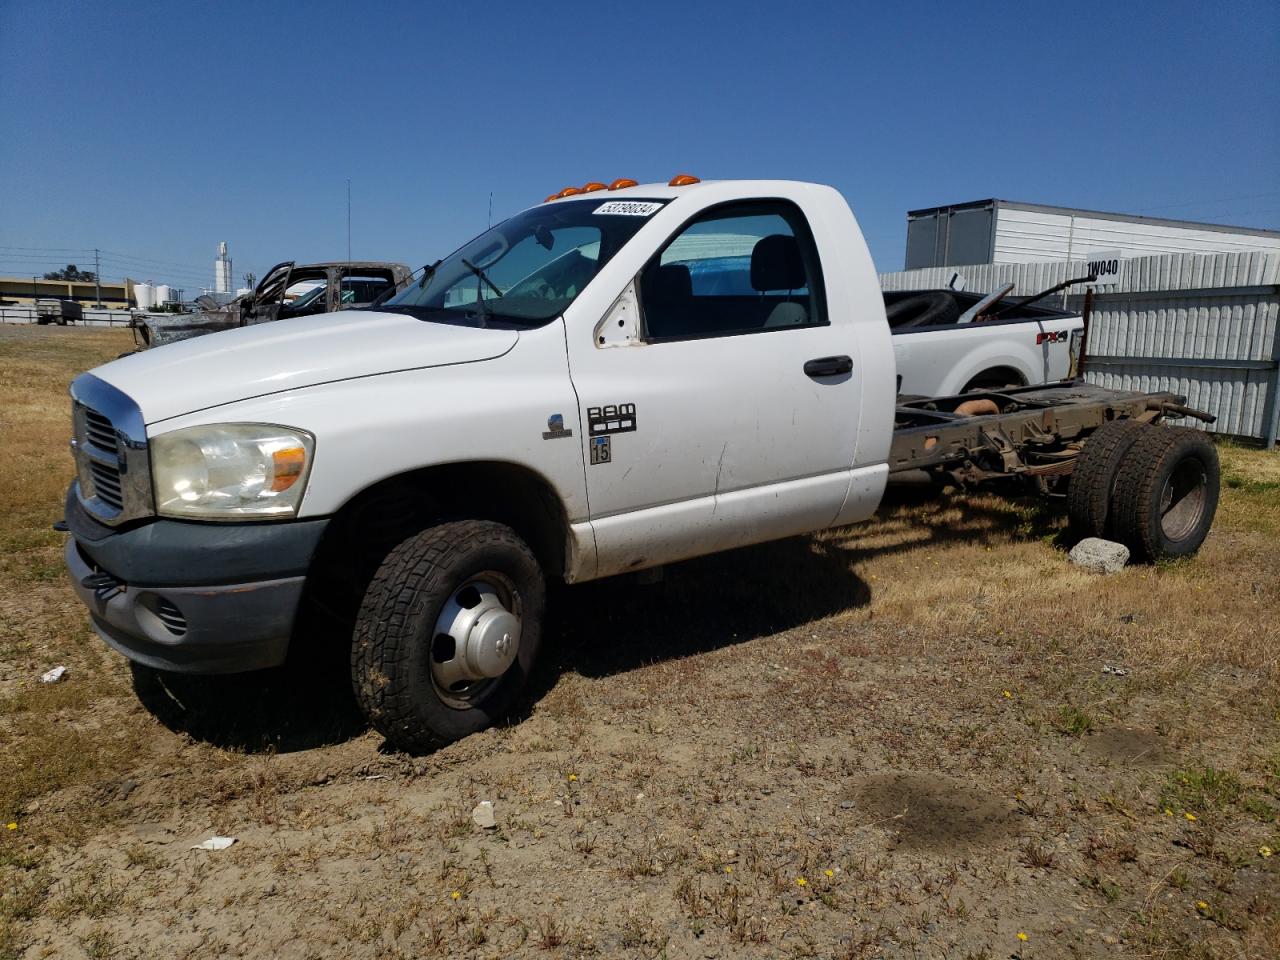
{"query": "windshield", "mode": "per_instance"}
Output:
(526, 270)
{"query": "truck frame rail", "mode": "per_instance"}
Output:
(1034, 432)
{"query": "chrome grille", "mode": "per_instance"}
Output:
(110, 446)
(106, 485)
(99, 431)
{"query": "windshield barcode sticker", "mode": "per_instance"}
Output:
(628, 208)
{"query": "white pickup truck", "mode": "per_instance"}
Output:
(947, 342)
(571, 395)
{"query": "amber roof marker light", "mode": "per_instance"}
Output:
(622, 183)
(683, 180)
(593, 186)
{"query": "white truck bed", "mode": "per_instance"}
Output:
(941, 356)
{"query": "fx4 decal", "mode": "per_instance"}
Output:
(1053, 336)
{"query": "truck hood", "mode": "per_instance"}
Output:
(232, 365)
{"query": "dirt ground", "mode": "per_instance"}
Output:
(928, 736)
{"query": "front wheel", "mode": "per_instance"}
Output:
(448, 633)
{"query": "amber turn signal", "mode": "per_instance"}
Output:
(287, 464)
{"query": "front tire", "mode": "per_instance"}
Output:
(448, 633)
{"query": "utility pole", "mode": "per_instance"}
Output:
(97, 279)
(491, 208)
(348, 221)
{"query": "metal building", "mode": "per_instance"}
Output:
(1002, 231)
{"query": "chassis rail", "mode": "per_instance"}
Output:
(1033, 432)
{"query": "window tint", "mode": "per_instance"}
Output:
(742, 268)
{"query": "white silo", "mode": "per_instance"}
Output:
(222, 270)
(144, 294)
(164, 294)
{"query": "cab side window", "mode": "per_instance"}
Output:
(740, 268)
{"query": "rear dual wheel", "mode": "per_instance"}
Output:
(1166, 493)
(1152, 488)
(1093, 481)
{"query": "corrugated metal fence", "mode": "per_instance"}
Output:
(1207, 326)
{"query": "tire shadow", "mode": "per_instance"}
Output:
(294, 707)
(611, 626)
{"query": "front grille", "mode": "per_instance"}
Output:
(110, 447)
(106, 485)
(171, 617)
(99, 431)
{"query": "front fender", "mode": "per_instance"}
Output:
(372, 428)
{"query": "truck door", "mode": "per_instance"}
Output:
(732, 416)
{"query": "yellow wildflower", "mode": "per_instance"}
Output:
(573, 778)
(1190, 816)
(1168, 812)
(801, 882)
(1022, 936)
(1201, 905)
(456, 895)
(11, 825)
(1008, 693)
(831, 873)
(1265, 851)
(728, 869)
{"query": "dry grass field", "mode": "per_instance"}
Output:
(926, 737)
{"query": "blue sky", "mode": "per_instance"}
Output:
(155, 130)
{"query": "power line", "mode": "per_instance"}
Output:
(51, 249)
(129, 256)
(24, 259)
(133, 265)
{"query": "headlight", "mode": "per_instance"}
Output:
(231, 470)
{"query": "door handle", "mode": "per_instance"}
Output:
(828, 366)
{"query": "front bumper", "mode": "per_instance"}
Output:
(192, 597)
(219, 629)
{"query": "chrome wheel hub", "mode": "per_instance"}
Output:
(476, 638)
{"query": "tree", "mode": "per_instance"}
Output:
(72, 272)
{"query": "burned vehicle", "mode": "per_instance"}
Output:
(287, 290)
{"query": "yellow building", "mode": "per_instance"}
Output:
(24, 291)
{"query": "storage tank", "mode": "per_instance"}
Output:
(144, 295)
(164, 294)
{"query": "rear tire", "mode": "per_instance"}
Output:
(1166, 493)
(1094, 479)
(431, 658)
